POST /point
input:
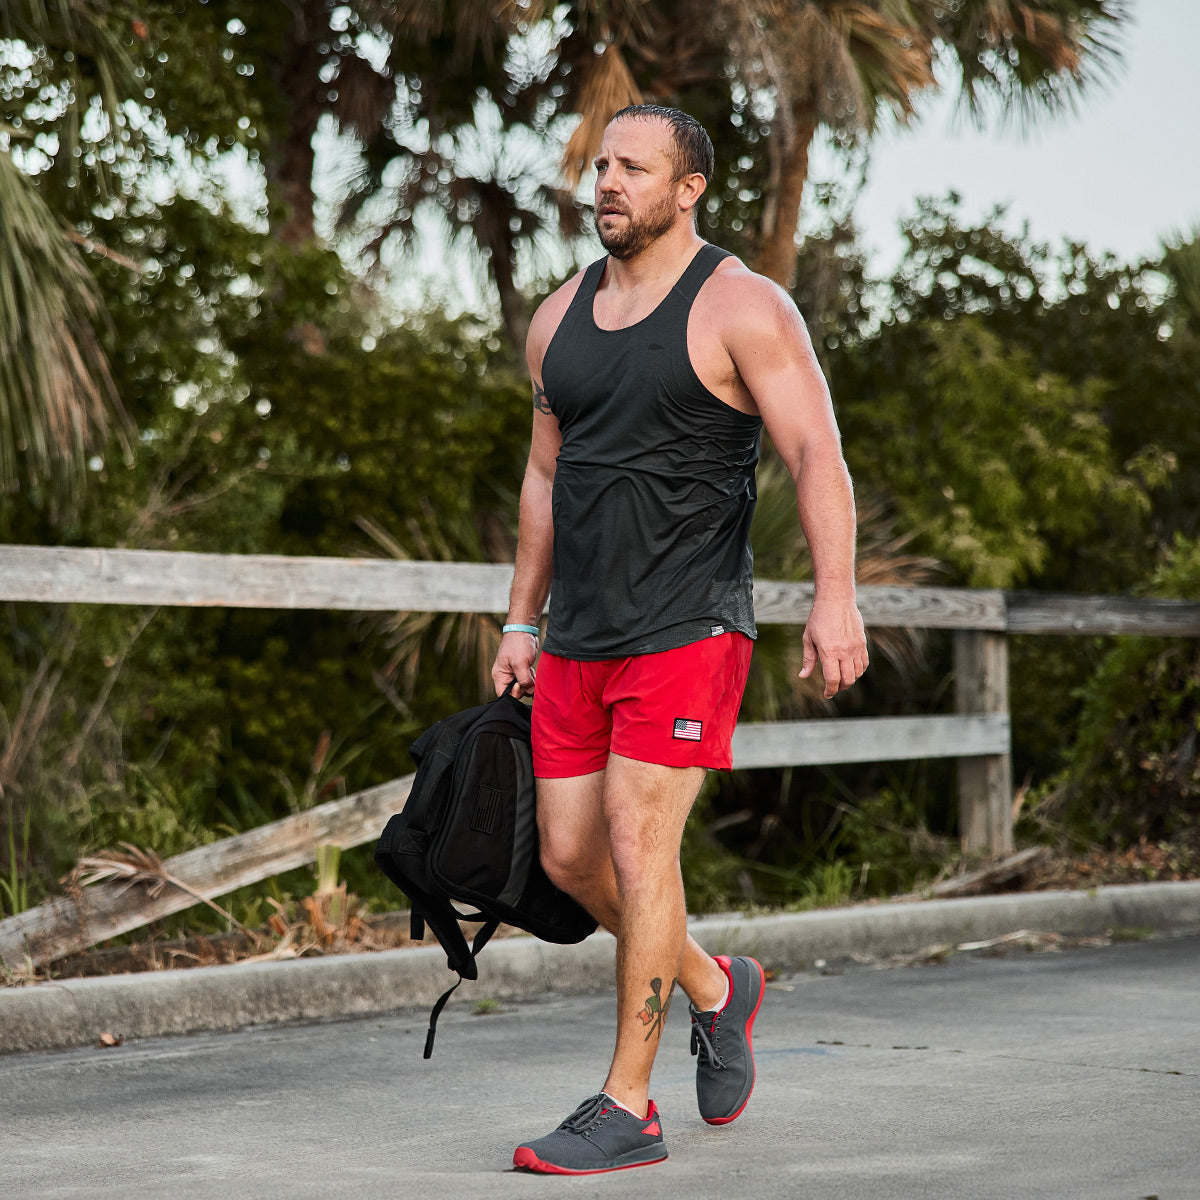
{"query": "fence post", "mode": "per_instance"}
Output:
(985, 781)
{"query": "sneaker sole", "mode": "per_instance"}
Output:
(526, 1160)
(762, 987)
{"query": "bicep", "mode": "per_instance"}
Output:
(544, 443)
(546, 438)
(775, 358)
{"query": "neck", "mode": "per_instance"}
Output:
(665, 257)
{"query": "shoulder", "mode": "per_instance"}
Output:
(548, 317)
(747, 298)
(749, 313)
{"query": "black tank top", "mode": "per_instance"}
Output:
(654, 487)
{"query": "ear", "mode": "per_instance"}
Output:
(690, 189)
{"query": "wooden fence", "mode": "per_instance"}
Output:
(977, 734)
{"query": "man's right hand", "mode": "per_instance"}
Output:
(514, 660)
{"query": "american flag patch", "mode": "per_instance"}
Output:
(688, 731)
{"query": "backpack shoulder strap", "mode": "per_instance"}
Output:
(481, 939)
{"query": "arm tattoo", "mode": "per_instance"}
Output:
(539, 399)
(654, 1012)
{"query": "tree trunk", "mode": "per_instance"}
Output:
(289, 169)
(513, 307)
(776, 258)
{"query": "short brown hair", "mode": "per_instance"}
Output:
(693, 149)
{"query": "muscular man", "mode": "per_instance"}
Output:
(654, 372)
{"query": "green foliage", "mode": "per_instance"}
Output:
(1134, 771)
(1086, 331)
(274, 416)
(888, 843)
(994, 461)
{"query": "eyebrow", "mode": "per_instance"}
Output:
(621, 158)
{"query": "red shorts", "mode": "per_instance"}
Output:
(676, 708)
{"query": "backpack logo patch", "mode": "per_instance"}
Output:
(486, 815)
(687, 730)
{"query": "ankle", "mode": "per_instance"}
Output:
(714, 995)
(635, 1102)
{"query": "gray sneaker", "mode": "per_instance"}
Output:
(598, 1136)
(721, 1041)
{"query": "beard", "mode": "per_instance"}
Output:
(628, 240)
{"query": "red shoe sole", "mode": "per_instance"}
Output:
(762, 987)
(526, 1160)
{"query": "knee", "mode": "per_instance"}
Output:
(567, 863)
(636, 859)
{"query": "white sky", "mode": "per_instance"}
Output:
(1121, 174)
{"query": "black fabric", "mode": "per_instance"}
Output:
(468, 836)
(654, 487)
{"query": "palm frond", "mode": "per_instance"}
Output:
(780, 553)
(85, 59)
(57, 398)
(135, 867)
(465, 642)
(608, 86)
(1032, 56)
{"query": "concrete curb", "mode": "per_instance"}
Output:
(74, 1012)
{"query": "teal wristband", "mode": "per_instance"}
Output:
(533, 629)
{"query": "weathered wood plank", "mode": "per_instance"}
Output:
(62, 926)
(76, 575)
(990, 877)
(1036, 612)
(153, 577)
(984, 783)
(867, 739)
(780, 603)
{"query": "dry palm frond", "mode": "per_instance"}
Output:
(136, 867)
(1032, 55)
(364, 96)
(57, 397)
(478, 24)
(608, 86)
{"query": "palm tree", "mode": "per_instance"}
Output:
(844, 64)
(64, 59)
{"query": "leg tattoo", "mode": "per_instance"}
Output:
(654, 1012)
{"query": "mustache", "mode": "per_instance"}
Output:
(610, 204)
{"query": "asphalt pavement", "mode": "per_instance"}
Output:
(1000, 1073)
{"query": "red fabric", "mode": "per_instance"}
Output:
(677, 708)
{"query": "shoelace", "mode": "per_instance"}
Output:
(703, 1045)
(586, 1114)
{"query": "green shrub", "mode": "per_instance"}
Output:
(1133, 771)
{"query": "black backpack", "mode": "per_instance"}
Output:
(468, 835)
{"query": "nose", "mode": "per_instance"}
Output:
(608, 182)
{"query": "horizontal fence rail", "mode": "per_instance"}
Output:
(977, 735)
(70, 575)
(868, 739)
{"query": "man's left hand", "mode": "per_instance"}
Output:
(834, 636)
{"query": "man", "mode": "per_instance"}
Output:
(654, 372)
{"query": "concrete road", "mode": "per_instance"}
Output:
(1064, 1075)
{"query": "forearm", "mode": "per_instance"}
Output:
(825, 502)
